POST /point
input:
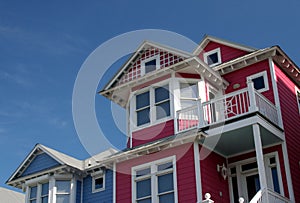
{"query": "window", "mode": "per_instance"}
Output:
(150, 64)
(298, 98)
(154, 182)
(274, 174)
(260, 81)
(188, 94)
(33, 194)
(45, 193)
(62, 191)
(213, 57)
(98, 182)
(152, 105)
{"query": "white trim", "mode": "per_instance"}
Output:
(197, 172)
(153, 177)
(114, 182)
(206, 54)
(73, 190)
(297, 91)
(265, 77)
(97, 176)
(157, 64)
(275, 92)
(288, 172)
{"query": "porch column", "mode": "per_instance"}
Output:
(259, 156)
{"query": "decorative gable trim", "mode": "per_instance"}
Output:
(146, 45)
(208, 39)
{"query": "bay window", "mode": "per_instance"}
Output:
(33, 194)
(62, 191)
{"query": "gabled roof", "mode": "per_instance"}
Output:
(144, 46)
(207, 38)
(61, 158)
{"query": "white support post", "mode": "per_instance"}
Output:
(260, 158)
(197, 171)
(252, 99)
(200, 114)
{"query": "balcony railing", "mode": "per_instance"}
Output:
(266, 195)
(225, 108)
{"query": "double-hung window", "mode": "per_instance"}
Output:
(44, 193)
(62, 191)
(152, 105)
(154, 182)
(33, 194)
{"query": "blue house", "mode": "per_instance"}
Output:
(47, 175)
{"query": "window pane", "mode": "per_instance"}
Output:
(143, 188)
(212, 58)
(142, 100)
(143, 116)
(259, 83)
(249, 166)
(45, 199)
(163, 110)
(63, 186)
(45, 189)
(275, 180)
(161, 93)
(99, 183)
(62, 198)
(165, 166)
(143, 172)
(32, 201)
(165, 183)
(145, 201)
(167, 198)
(150, 66)
(188, 90)
(235, 189)
(33, 192)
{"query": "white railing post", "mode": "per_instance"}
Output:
(241, 200)
(176, 117)
(207, 197)
(200, 113)
(252, 99)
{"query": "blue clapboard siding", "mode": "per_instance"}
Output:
(105, 196)
(39, 163)
(78, 191)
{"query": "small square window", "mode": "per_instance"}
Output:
(213, 57)
(150, 64)
(98, 182)
(260, 81)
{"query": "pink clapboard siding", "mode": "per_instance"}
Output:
(152, 133)
(291, 123)
(227, 53)
(276, 148)
(240, 77)
(211, 180)
(185, 171)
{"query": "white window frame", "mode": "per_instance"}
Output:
(96, 175)
(297, 91)
(265, 76)
(153, 177)
(143, 62)
(153, 119)
(206, 54)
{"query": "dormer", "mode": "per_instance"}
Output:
(154, 84)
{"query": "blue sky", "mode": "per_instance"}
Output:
(44, 44)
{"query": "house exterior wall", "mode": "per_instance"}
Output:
(104, 196)
(211, 180)
(185, 170)
(240, 77)
(227, 53)
(78, 191)
(154, 132)
(41, 162)
(291, 123)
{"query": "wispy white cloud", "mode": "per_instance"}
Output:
(16, 77)
(58, 122)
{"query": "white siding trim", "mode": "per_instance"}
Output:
(275, 92)
(114, 182)
(197, 172)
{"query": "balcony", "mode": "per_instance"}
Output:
(224, 109)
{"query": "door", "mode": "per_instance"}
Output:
(253, 185)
